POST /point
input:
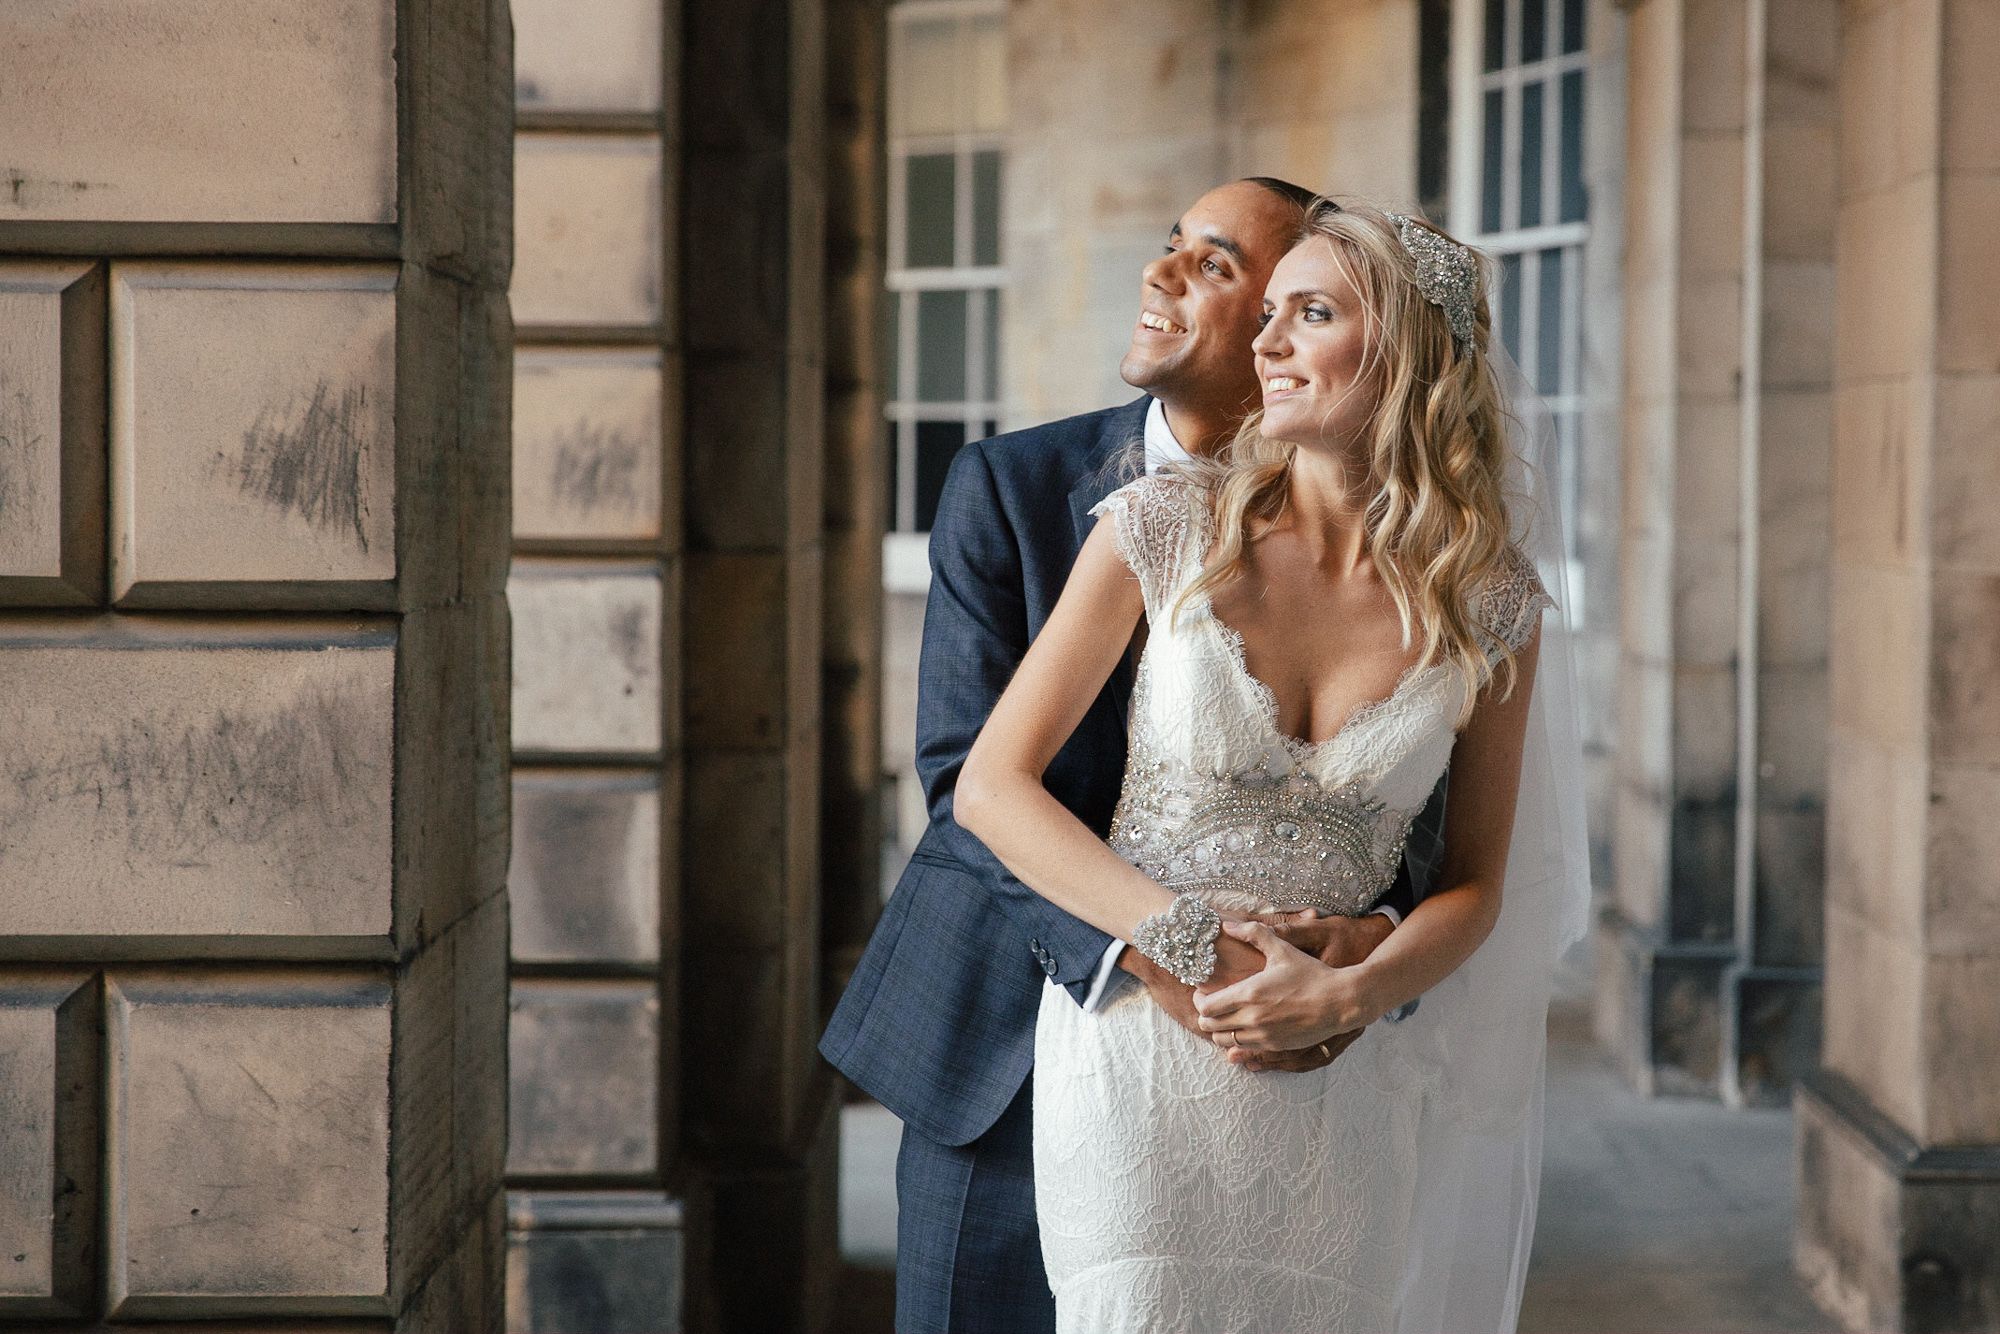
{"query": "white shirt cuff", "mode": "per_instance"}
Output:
(1395, 918)
(1106, 979)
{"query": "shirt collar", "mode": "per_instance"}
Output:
(1161, 447)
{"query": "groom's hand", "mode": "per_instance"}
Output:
(1337, 942)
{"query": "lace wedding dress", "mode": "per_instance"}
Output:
(1177, 1192)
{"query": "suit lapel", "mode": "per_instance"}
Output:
(1124, 427)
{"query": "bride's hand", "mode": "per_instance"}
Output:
(1293, 1001)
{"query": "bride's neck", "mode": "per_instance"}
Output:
(1328, 508)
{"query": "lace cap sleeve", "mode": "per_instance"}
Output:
(1151, 519)
(1511, 605)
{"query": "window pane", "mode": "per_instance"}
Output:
(1572, 146)
(892, 343)
(988, 429)
(1572, 25)
(931, 210)
(892, 472)
(1510, 304)
(986, 208)
(1532, 14)
(987, 78)
(937, 442)
(1489, 203)
(926, 77)
(941, 347)
(1549, 325)
(1531, 155)
(1496, 33)
(990, 391)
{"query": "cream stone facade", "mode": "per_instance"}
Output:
(328, 334)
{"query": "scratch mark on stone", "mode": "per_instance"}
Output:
(18, 446)
(628, 639)
(311, 460)
(595, 468)
(236, 776)
(34, 191)
(252, 1077)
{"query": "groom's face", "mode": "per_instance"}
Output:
(1200, 300)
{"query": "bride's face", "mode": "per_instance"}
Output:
(1312, 354)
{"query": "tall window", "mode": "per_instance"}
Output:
(947, 111)
(1517, 192)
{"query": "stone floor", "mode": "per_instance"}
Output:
(1661, 1216)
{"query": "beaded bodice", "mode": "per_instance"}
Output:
(1216, 800)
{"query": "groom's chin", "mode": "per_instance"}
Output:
(1145, 370)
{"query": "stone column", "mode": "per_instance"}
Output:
(1707, 961)
(1899, 1132)
(855, 497)
(596, 1237)
(760, 1128)
(253, 662)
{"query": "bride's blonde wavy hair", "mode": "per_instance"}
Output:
(1437, 514)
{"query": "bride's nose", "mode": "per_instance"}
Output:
(1270, 341)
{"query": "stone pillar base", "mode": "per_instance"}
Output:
(1686, 1019)
(605, 1261)
(1892, 1236)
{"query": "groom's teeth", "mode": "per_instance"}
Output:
(1159, 323)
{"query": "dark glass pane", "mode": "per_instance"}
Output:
(890, 472)
(1572, 146)
(936, 443)
(1531, 155)
(1532, 29)
(1489, 191)
(988, 429)
(941, 347)
(1510, 304)
(986, 208)
(991, 389)
(929, 206)
(892, 344)
(1572, 25)
(1549, 325)
(1496, 33)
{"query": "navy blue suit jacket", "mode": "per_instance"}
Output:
(938, 1022)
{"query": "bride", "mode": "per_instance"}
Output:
(1334, 610)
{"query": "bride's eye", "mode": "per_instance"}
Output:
(1315, 313)
(1263, 318)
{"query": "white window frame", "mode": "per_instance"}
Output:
(1470, 82)
(905, 561)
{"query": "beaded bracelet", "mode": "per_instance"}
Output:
(1181, 939)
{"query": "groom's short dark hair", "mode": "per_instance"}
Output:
(1292, 194)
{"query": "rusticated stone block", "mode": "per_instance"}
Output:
(602, 1261)
(248, 1144)
(253, 434)
(583, 1061)
(588, 232)
(48, 1151)
(587, 445)
(172, 778)
(584, 882)
(199, 111)
(587, 55)
(51, 433)
(587, 673)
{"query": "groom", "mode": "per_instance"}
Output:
(938, 1022)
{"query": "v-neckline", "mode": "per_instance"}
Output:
(1267, 698)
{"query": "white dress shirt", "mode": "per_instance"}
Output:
(1161, 449)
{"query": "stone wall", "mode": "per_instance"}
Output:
(1899, 1133)
(253, 479)
(1708, 962)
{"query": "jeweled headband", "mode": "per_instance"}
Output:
(1446, 276)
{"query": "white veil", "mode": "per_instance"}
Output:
(1480, 1134)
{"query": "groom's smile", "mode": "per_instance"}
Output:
(1198, 306)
